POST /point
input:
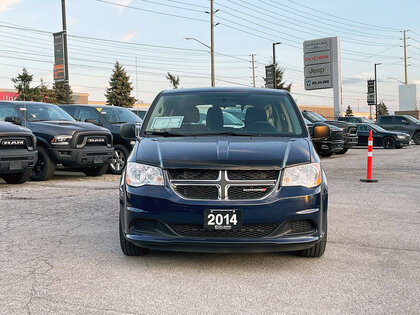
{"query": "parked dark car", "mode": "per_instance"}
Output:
(213, 188)
(62, 140)
(349, 129)
(327, 147)
(18, 152)
(355, 120)
(111, 118)
(382, 137)
(141, 112)
(401, 123)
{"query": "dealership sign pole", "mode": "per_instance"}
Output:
(322, 61)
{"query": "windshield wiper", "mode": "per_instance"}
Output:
(227, 133)
(163, 134)
(118, 122)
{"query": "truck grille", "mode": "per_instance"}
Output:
(336, 135)
(18, 142)
(93, 140)
(223, 185)
(247, 231)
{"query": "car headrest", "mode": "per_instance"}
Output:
(254, 115)
(192, 115)
(214, 119)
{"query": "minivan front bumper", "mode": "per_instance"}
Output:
(148, 215)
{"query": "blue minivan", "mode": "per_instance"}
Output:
(203, 186)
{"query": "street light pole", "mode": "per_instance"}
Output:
(376, 91)
(253, 69)
(274, 63)
(66, 63)
(213, 79)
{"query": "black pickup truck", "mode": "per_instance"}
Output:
(18, 153)
(349, 129)
(328, 146)
(61, 140)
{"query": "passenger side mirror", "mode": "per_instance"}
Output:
(13, 120)
(130, 131)
(93, 121)
(321, 131)
(405, 122)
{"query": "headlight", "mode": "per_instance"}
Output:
(401, 137)
(138, 175)
(307, 175)
(61, 140)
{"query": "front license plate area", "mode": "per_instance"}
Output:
(222, 219)
(98, 160)
(15, 165)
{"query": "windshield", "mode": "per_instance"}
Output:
(368, 121)
(43, 112)
(206, 113)
(412, 119)
(313, 117)
(119, 115)
(377, 128)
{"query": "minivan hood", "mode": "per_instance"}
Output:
(223, 152)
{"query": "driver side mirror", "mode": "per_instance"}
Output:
(13, 120)
(321, 131)
(130, 131)
(405, 122)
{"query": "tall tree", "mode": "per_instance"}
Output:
(349, 111)
(59, 90)
(382, 109)
(23, 85)
(280, 84)
(120, 88)
(47, 95)
(174, 80)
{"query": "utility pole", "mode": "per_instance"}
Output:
(253, 69)
(66, 62)
(376, 92)
(137, 85)
(275, 65)
(213, 80)
(405, 59)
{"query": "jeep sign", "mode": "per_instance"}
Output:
(317, 70)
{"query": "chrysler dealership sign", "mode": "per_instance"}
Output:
(322, 67)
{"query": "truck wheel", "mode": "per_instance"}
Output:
(18, 178)
(388, 143)
(128, 248)
(44, 168)
(416, 137)
(317, 250)
(342, 151)
(96, 171)
(116, 166)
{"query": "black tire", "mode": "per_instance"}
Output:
(96, 170)
(388, 143)
(342, 151)
(325, 154)
(128, 248)
(44, 168)
(119, 159)
(18, 178)
(317, 250)
(416, 138)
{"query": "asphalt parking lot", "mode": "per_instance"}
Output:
(60, 252)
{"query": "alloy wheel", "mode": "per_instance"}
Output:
(118, 161)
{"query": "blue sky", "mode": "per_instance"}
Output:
(369, 31)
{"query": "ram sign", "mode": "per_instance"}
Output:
(317, 83)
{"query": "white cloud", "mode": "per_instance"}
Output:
(72, 21)
(6, 4)
(122, 4)
(129, 36)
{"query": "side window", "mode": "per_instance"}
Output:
(88, 114)
(386, 120)
(362, 128)
(7, 110)
(70, 110)
(399, 120)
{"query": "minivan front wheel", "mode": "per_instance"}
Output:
(128, 248)
(317, 250)
(117, 164)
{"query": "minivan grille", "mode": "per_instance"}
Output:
(223, 184)
(247, 231)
